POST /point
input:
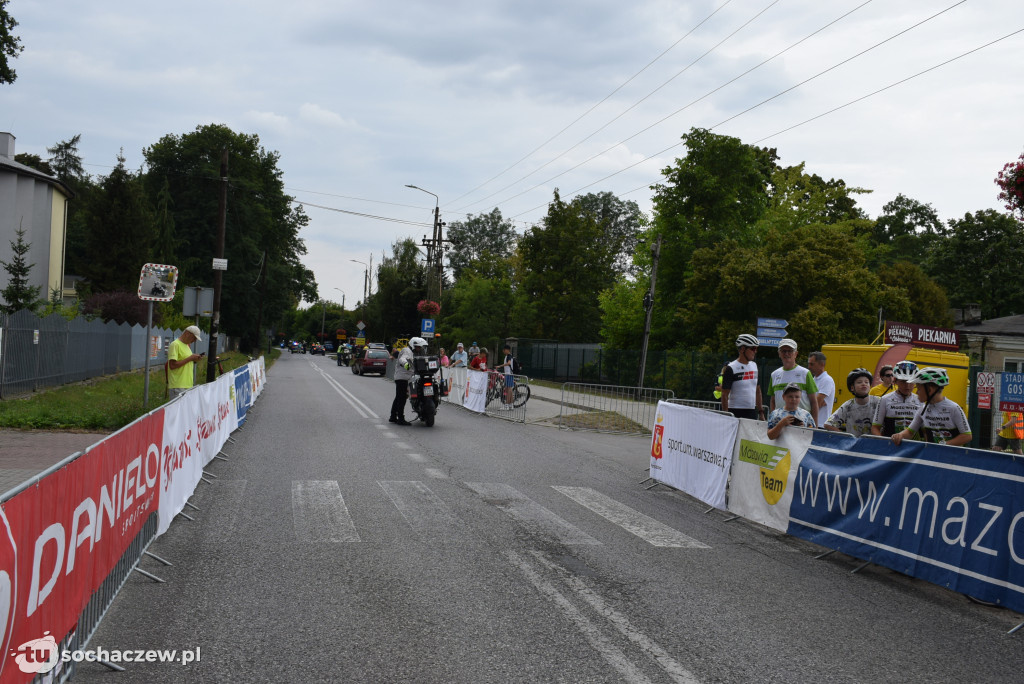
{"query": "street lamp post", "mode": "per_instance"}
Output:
(366, 278)
(435, 248)
(342, 300)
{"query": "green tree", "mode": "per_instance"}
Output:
(978, 261)
(480, 240)
(566, 263)
(401, 284)
(65, 163)
(481, 309)
(621, 222)
(34, 161)
(906, 230)
(262, 243)
(120, 229)
(10, 44)
(799, 199)
(19, 294)
(929, 304)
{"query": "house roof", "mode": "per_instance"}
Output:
(19, 168)
(1011, 326)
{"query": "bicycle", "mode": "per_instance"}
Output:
(496, 390)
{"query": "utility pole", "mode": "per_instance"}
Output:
(649, 306)
(218, 275)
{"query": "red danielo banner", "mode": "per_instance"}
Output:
(60, 538)
(922, 336)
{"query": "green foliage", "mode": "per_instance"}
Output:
(481, 309)
(623, 314)
(480, 242)
(34, 161)
(979, 261)
(10, 44)
(906, 231)
(926, 298)
(566, 263)
(19, 294)
(799, 199)
(401, 283)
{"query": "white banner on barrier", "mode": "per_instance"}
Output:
(196, 426)
(762, 472)
(456, 379)
(691, 450)
(475, 398)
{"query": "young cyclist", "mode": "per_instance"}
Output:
(855, 415)
(897, 409)
(939, 419)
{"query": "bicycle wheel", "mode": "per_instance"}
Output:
(521, 395)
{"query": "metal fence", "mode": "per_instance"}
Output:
(36, 353)
(610, 408)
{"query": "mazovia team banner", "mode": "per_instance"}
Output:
(692, 449)
(948, 515)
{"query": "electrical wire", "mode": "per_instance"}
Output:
(362, 215)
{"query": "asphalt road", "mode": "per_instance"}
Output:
(336, 547)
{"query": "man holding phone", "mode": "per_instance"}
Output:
(181, 361)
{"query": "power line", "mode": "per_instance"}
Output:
(826, 113)
(362, 215)
(593, 107)
(627, 110)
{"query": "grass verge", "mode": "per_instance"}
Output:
(100, 404)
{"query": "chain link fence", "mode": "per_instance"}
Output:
(36, 353)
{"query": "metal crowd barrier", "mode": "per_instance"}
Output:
(610, 408)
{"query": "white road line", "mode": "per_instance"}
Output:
(605, 648)
(362, 409)
(530, 514)
(645, 527)
(319, 512)
(436, 473)
(419, 458)
(390, 435)
(421, 508)
(621, 623)
(381, 427)
(402, 445)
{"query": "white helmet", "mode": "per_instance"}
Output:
(417, 342)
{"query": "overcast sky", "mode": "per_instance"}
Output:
(496, 104)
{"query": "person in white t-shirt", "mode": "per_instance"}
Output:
(855, 415)
(826, 386)
(792, 373)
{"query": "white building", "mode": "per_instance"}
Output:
(36, 203)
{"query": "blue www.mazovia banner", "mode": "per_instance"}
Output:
(243, 393)
(951, 516)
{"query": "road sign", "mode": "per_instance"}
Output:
(986, 383)
(772, 322)
(157, 282)
(769, 341)
(427, 327)
(360, 325)
(763, 333)
(1011, 392)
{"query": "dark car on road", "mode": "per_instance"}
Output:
(371, 361)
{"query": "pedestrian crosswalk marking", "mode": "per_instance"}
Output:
(319, 512)
(530, 514)
(643, 526)
(422, 508)
(436, 473)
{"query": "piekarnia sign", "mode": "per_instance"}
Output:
(922, 336)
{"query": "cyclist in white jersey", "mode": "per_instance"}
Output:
(741, 394)
(939, 420)
(897, 409)
(855, 415)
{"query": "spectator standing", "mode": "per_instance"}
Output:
(505, 367)
(791, 373)
(897, 409)
(856, 414)
(826, 386)
(886, 384)
(181, 362)
(443, 358)
(460, 359)
(1012, 432)
(479, 362)
(473, 350)
(403, 373)
(939, 420)
(740, 393)
(790, 413)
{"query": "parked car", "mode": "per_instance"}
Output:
(317, 349)
(329, 347)
(296, 348)
(370, 360)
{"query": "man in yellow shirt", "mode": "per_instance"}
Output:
(181, 360)
(886, 385)
(1010, 435)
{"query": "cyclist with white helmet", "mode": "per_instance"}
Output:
(939, 420)
(897, 409)
(741, 395)
(855, 415)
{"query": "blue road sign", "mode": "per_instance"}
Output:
(1011, 392)
(427, 326)
(772, 322)
(770, 332)
(769, 341)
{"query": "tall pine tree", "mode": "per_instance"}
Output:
(19, 294)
